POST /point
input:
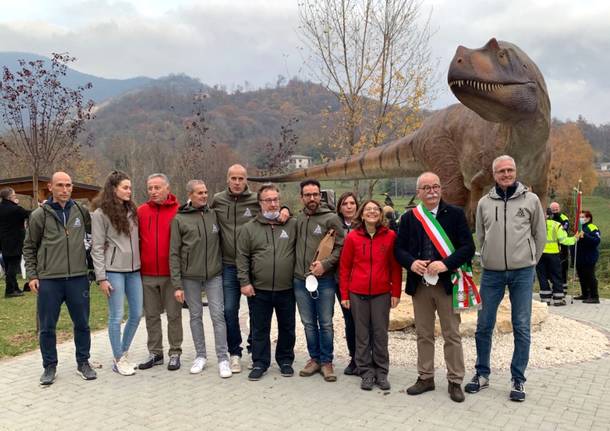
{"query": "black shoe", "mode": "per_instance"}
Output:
(455, 392)
(48, 376)
(367, 383)
(351, 369)
(174, 363)
(14, 294)
(517, 391)
(383, 383)
(286, 370)
(421, 386)
(580, 297)
(153, 359)
(590, 301)
(86, 372)
(476, 384)
(257, 373)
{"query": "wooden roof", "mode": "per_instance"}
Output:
(25, 186)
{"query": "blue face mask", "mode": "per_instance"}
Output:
(271, 215)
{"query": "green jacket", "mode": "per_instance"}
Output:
(194, 249)
(266, 253)
(311, 229)
(233, 211)
(52, 250)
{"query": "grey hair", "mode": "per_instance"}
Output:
(6, 192)
(501, 159)
(190, 186)
(425, 173)
(158, 175)
(265, 187)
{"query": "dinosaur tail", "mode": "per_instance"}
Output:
(395, 159)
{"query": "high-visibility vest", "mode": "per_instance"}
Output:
(555, 235)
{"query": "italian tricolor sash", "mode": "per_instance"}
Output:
(465, 293)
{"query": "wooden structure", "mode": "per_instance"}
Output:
(25, 186)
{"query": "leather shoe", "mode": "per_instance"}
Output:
(580, 297)
(455, 392)
(590, 301)
(421, 386)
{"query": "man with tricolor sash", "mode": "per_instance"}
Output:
(435, 246)
(511, 231)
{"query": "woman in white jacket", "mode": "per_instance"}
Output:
(116, 259)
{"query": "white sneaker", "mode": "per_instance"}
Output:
(123, 367)
(198, 365)
(224, 369)
(235, 364)
(128, 361)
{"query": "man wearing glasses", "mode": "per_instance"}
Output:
(316, 309)
(511, 231)
(429, 280)
(265, 266)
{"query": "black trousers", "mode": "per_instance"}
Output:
(549, 269)
(262, 305)
(588, 281)
(350, 331)
(564, 257)
(12, 266)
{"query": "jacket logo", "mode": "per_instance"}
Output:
(214, 228)
(284, 234)
(247, 213)
(520, 213)
(77, 222)
(318, 230)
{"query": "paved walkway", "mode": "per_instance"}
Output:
(572, 397)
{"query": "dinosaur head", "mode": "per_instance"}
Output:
(498, 81)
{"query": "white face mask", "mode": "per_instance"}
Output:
(271, 215)
(583, 220)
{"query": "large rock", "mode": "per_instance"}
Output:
(402, 317)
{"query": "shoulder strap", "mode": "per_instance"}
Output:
(86, 219)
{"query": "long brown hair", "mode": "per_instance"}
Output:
(118, 211)
(342, 198)
(358, 217)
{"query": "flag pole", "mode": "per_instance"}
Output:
(577, 228)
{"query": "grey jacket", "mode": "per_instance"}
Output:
(110, 250)
(511, 233)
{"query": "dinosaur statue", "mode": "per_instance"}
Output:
(505, 110)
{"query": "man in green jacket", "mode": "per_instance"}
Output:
(316, 310)
(234, 207)
(195, 264)
(56, 265)
(265, 265)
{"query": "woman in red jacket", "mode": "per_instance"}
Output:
(370, 279)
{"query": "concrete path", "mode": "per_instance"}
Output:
(571, 397)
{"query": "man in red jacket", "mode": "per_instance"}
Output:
(154, 220)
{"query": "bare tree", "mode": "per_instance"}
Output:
(375, 56)
(276, 154)
(43, 117)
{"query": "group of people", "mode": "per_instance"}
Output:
(160, 255)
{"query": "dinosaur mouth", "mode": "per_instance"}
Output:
(488, 87)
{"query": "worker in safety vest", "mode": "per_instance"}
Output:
(549, 266)
(564, 250)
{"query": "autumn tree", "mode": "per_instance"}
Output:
(42, 117)
(571, 161)
(375, 56)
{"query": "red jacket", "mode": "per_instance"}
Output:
(154, 224)
(367, 265)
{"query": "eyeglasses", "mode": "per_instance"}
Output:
(311, 195)
(271, 201)
(372, 210)
(434, 187)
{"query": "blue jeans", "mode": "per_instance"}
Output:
(232, 299)
(317, 317)
(124, 284)
(519, 282)
(74, 291)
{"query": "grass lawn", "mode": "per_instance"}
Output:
(18, 321)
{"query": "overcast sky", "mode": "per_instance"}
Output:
(232, 41)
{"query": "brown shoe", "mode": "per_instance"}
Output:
(421, 386)
(311, 368)
(328, 372)
(455, 392)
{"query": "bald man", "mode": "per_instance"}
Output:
(56, 266)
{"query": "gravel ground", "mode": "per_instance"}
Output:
(559, 341)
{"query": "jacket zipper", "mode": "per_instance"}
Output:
(273, 272)
(131, 247)
(157, 240)
(112, 258)
(371, 270)
(505, 256)
(530, 246)
(205, 232)
(45, 258)
(305, 268)
(235, 226)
